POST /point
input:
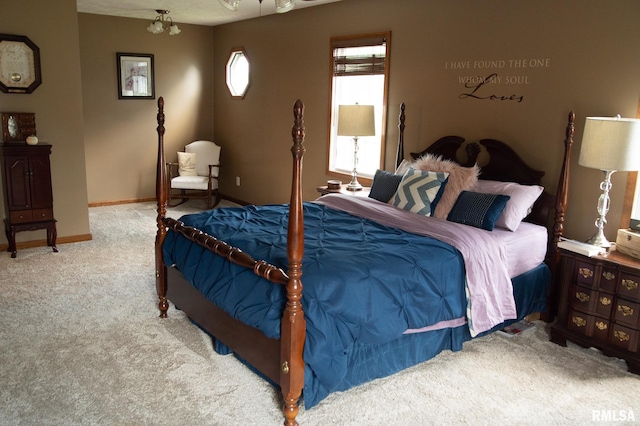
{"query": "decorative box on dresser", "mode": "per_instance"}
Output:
(28, 196)
(600, 305)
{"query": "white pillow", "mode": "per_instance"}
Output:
(518, 206)
(403, 167)
(187, 164)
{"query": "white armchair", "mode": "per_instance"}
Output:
(198, 168)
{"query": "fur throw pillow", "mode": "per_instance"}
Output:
(460, 179)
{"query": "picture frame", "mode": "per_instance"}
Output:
(135, 76)
(16, 126)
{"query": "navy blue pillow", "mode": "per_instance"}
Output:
(478, 210)
(384, 186)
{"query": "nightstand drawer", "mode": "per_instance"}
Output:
(629, 286)
(625, 338)
(608, 279)
(582, 323)
(586, 274)
(591, 301)
(584, 299)
(627, 312)
(589, 325)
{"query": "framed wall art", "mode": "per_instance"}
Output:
(135, 76)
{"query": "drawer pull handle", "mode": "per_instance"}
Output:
(579, 321)
(630, 284)
(621, 335)
(608, 276)
(585, 272)
(583, 297)
(605, 300)
(601, 325)
(626, 310)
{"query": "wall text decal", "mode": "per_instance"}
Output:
(482, 86)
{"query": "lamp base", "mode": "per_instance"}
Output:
(353, 186)
(599, 240)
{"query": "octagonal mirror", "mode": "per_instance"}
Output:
(237, 73)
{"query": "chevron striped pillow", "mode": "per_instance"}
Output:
(419, 191)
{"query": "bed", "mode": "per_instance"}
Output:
(373, 302)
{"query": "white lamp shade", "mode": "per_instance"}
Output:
(611, 143)
(356, 120)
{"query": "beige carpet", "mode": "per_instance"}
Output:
(81, 343)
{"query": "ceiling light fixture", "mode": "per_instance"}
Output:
(282, 6)
(157, 26)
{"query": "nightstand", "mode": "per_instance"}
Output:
(324, 190)
(600, 305)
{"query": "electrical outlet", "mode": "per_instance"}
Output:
(237, 180)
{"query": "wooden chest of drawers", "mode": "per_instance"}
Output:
(600, 305)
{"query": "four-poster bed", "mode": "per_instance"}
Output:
(374, 300)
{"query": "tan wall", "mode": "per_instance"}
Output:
(591, 48)
(57, 104)
(120, 134)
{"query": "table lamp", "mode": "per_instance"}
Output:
(609, 144)
(355, 120)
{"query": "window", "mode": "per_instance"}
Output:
(359, 70)
(631, 208)
(237, 73)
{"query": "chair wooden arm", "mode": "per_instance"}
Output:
(170, 174)
(211, 166)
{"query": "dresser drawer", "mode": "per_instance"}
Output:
(627, 313)
(625, 338)
(629, 286)
(21, 216)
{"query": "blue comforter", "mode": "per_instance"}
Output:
(363, 282)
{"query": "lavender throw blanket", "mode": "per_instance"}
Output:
(489, 291)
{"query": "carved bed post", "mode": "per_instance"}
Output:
(562, 196)
(293, 328)
(400, 152)
(161, 198)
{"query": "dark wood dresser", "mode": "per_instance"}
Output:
(600, 305)
(28, 197)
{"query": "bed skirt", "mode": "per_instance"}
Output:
(368, 362)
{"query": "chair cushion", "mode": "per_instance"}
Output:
(192, 182)
(187, 164)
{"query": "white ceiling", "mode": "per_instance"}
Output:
(200, 12)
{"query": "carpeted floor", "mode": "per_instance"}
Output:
(81, 343)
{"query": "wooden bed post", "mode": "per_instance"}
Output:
(562, 196)
(161, 198)
(400, 152)
(293, 327)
